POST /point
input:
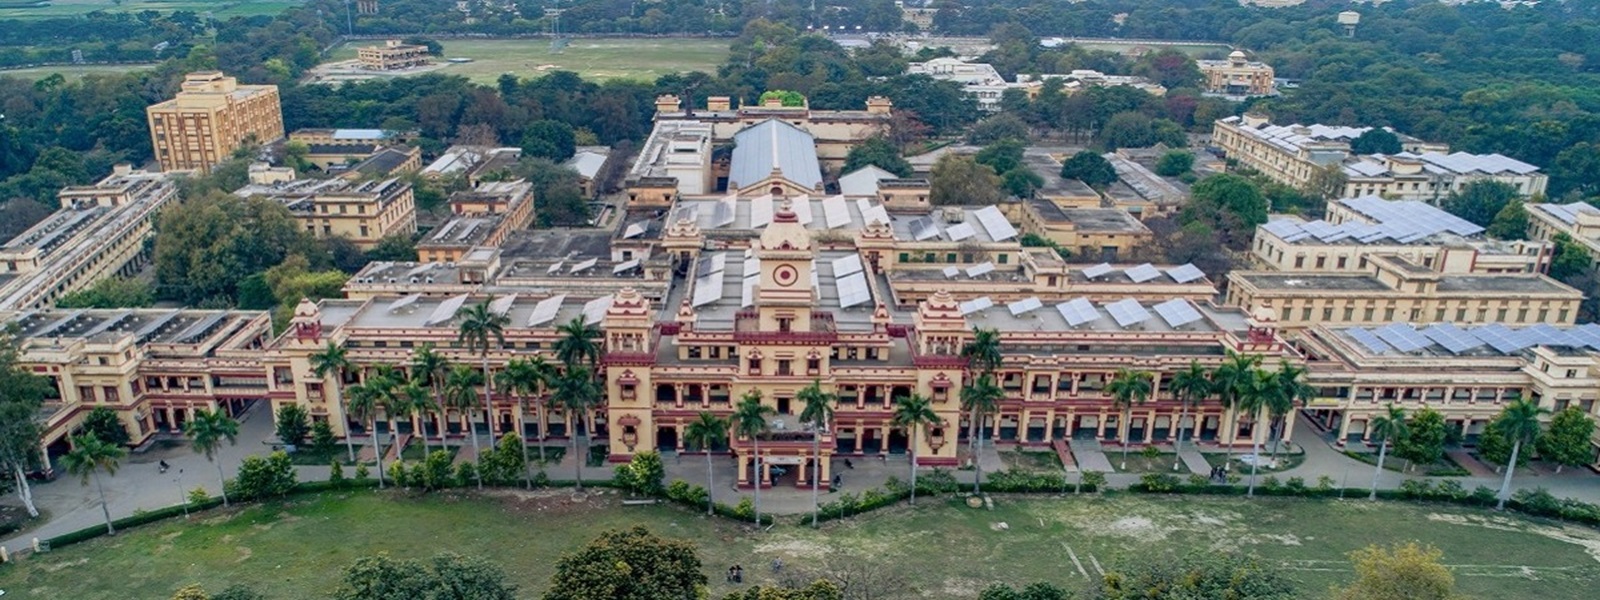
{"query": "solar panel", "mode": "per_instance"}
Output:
(555, 267)
(446, 310)
(751, 265)
(420, 269)
(1185, 273)
(1127, 311)
(1024, 306)
(634, 230)
(584, 266)
(595, 310)
(761, 211)
(624, 266)
(502, 305)
(960, 231)
(983, 268)
(1100, 270)
(545, 311)
(870, 213)
(802, 209)
(1452, 338)
(1402, 337)
(975, 305)
(952, 272)
(686, 212)
(1499, 337)
(846, 265)
(853, 290)
(995, 223)
(1177, 312)
(708, 289)
(834, 212)
(1588, 333)
(1365, 338)
(1545, 334)
(747, 291)
(711, 264)
(722, 215)
(1143, 273)
(405, 302)
(923, 228)
(1078, 311)
(200, 328)
(1286, 229)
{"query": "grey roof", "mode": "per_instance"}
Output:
(863, 181)
(587, 162)
(774, 144)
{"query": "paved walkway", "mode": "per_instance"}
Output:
(1194, 460)
(1090, 456)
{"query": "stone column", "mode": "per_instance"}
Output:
(1150, 426)
(1288, 427)
(1344, 427)
(766, 474)
(861, 434)
(744, 470)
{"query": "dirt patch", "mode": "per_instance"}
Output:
(552, 502)
(798, 549)
(244, 554)
(66, 565)
(1587, 539)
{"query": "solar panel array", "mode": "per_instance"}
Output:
(761, 211)
(595, 310)
(846, 265)
(870, 213)
(1024, 306)
(623, 266)
(1454, 339)
(1567, 213)
(723, 214)
(1402, 221)
(1127, 311)
(1365, 338)
(502, 305)
(802, 209)
(1143, 273)
(975, 305)
(446, 310)
(952, 272)
(1185, 273)
(747, 291)
(584, 265)
(960, 231)
(835, 213)
(1403, 337)
(1100, 270)
(1078, 311)
(923, 228)
(711, 264)
(983, 268)
(1177, 312)
(708, 288)
(995, 223)
(405, 302)
(545, 310)
(853, 290)
(634, 230)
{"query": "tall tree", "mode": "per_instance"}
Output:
(1390, 425)
(1229, 381)
(981, 395)
(1191, 386)
(960, 180)
(750, 420)
(1567, 443)
(628, 564)
(816, 410)
(1376, 140)
(432, 369)
(1264, 395)
(1404, 572)
(1424, 440)
(527, 378)
(576, 392)
(878, 152)
(1519, 422)
(1128, 388)
(293, 425)
(1511, 223)
(1480, 201)
(1292, 391)
(206, 432)
(90, 456)
(479, 325)
(704, 432)
(334, 359)
(915, 414)
(578, 344)
(1089, 167)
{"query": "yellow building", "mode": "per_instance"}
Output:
(1236, 76)
(392, 55)
(1580, 221)
(1396, 290)
(1104, 234)
(211, 116)
(1291, 154)
(484, 218)
(361, 211)
(101, 230)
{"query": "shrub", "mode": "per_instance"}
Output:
(270, 477)
(466, 474)
(336, 474)
(362, 474)
(1296, 486)
(504, 464)
(1449, 489)
(541, 479)
(1197, 480)
(1324, 483)
(1271, 483)
(938, 481)
(1160, 483)
(198, 495)
(434, 471)
(399, 474)
(746, 509)
(1150, 452)
(1015, 480)
(1415, 489)
(1482, 496)
(642, 476)
(322, 439)
(1537, 501)
(1094, 480)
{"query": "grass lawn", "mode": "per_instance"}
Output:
(71, 72)
(598, 59)
(940, 548)
(1446, 467)
(1138, 462)
(415, 451)
(221, 9)
(1032, 460)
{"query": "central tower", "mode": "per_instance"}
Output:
(784, 296)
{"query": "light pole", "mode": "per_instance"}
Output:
(182, 497)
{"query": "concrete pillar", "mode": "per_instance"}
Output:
(861, 433)
(677, 393)
(1150, 426)
(1344, 427)
(678, 439)
(883, 441)
(1288, 427)
(1173, 426)
(766, 474)
(744, 470)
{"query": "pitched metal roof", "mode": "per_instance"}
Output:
(773, 144)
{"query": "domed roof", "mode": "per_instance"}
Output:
(1236, 55)
(785, 232)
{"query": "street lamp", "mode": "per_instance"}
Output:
(182, 497)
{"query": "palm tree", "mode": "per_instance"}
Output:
(1191, 386)
(578, 343)
(334, 359)
(1264, 393)
(363, 402)
(478, 326)
(1293, 391)
(461, 393)
(432, 368)
(983, 350)
(1229, 381)
(521, 377)
(576, 392)
(90, 456)
(1385, 427)
(1128, 388)
(206, 431)
(750, 420)
(1519, 422)
(704, 432)
(914, 413)
(980, 397)
(816, 410)
(417, 401)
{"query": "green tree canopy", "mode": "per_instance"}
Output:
(111, 292)
(960, 180)
(628, 564)
(784, 97)
(1480, 201)
(447, 576)
(553, 140)
(1175, 163)
(1230, 204)
(1003, 155)
(878, 152)
(103, 424)
(1376, 141)
(1091, 168)
(998, 127)
(1196, 575)
(1423, 442)
(1511, 223)
(1567, 442)
(206, 246)
(1405, 572)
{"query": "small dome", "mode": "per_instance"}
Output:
(1236, 55)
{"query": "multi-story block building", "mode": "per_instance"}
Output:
(392, 55)
(1395, 289)
(1432, 176)
(834, 132)
(101, 230)
(362, 211)
(484, 217)
(1237, 76)
(1358, 228)
(211, 116)
(1579, 221)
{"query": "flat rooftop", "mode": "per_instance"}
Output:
(1337, 282)
(144, 326)
(397, 272)
(1527, 284)
(557, 244)
(730, 274)
(417, 312)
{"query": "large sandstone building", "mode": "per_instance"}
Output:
(212, 116)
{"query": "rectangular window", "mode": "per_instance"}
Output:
(784, 367)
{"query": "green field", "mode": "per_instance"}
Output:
(38, 9)
(71, 72)
(940, 548)
(599, 59)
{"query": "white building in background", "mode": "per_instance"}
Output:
(980, 80)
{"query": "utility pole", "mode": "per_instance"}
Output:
(349, 22)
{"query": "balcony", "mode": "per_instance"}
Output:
(747, 330)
